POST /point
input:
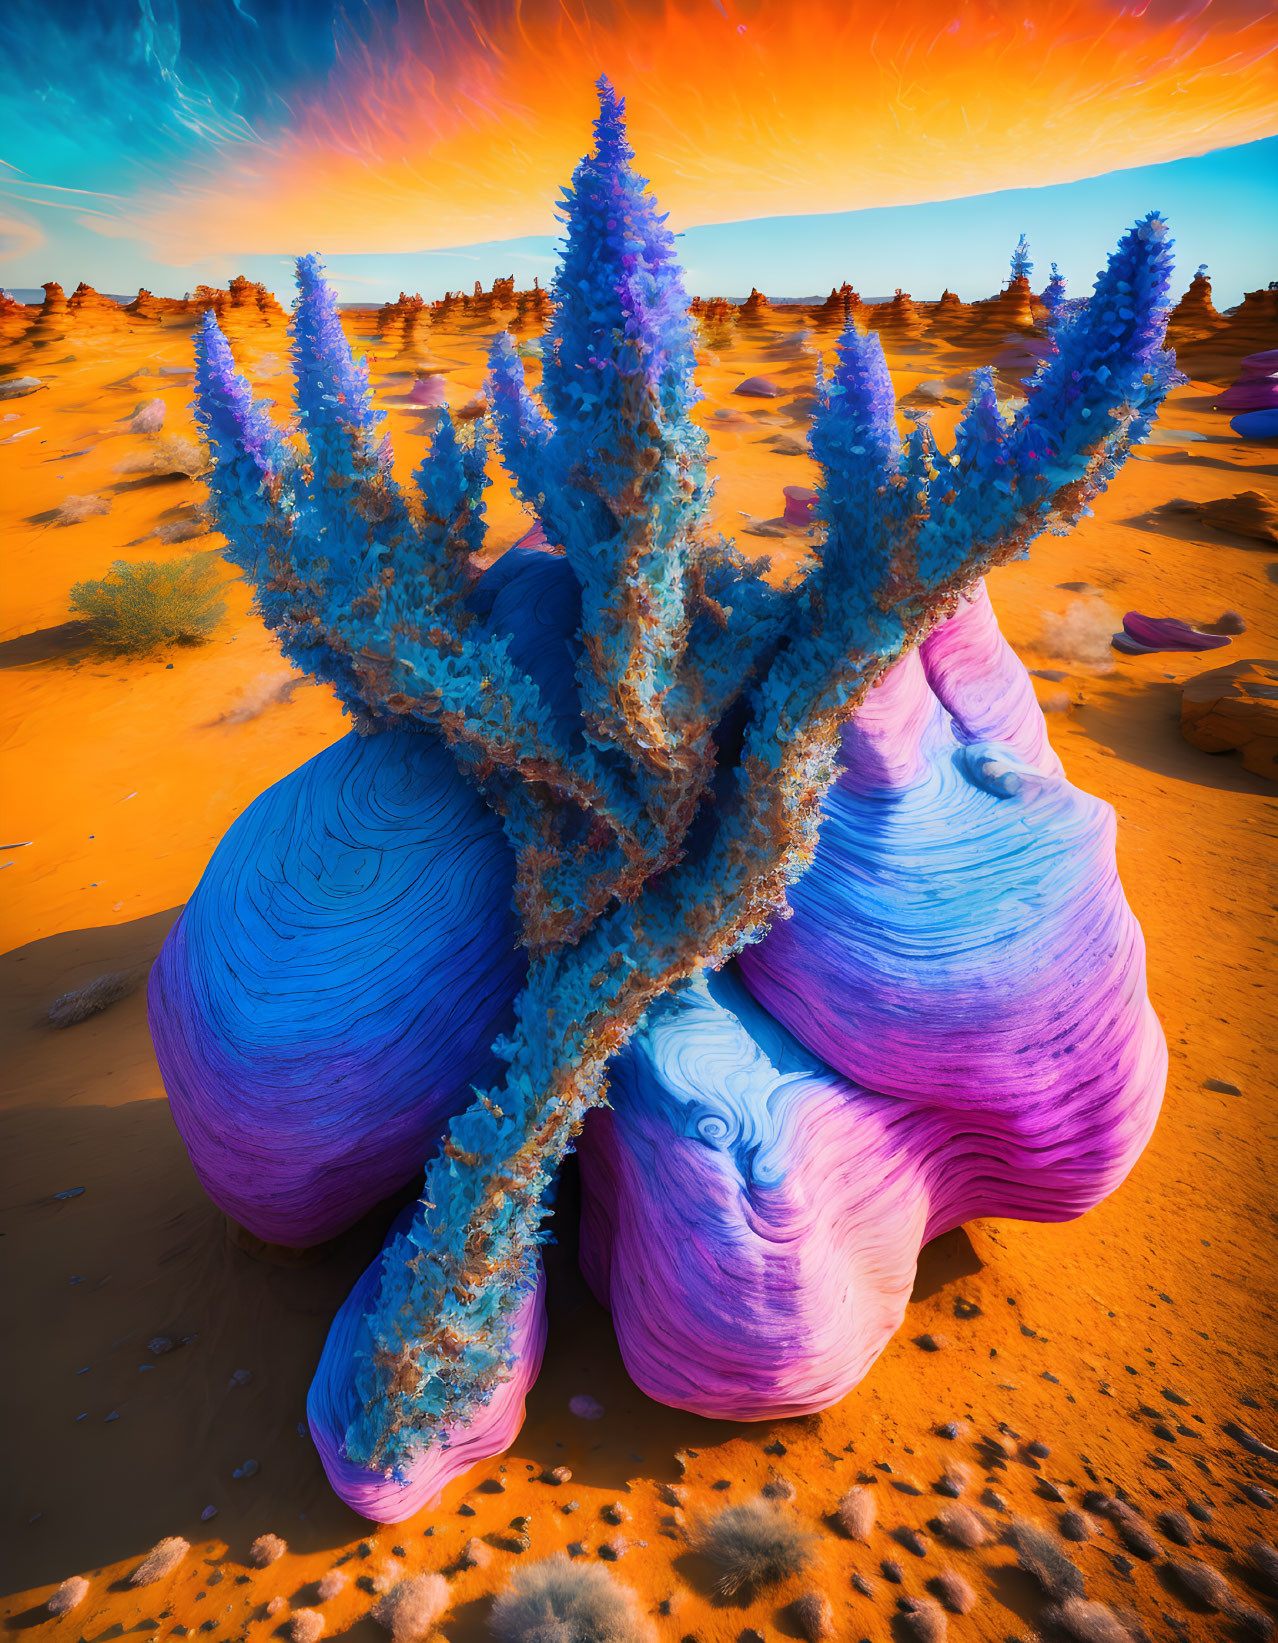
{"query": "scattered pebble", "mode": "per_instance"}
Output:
(557, 1475)
(892, 1571)
(912, 1540)
(1039, 1555)
(963, 1527)
(861, 1584)
(814, 1616)
(1074, 1526)
(856, 1514)
(953, 1591)
(923, 1621)
(331, 1584)
(249, 1469)
(475, 1554)
(1176, 1526)
(208, 1513)
(612, 1550)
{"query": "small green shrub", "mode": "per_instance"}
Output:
(139, 608)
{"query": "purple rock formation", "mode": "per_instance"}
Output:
(333, 1400)
(955, 1026)
(1256, 388)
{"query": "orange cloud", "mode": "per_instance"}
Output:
(462, 128)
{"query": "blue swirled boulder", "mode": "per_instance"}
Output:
(335, 983)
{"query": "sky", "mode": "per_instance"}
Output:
(795, 143)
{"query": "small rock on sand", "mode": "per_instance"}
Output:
(1235, 707)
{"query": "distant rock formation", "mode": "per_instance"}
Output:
(995, 319)
(87, 304)
(949, 314)
(52, 324)
(533, 309)
(755, 309)
(150, 309)
(839, 307)
(406, 316)
(1251, 328)
(15, 317)
(896, 321)
(244, 300)
(1257, 313)
(1195, 314)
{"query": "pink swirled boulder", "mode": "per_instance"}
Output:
(953, 1023)
(333, 1403)
(962, 936)
(753, 1219)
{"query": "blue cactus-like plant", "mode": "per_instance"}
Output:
(649, 842)
(1021, 265)
(1054, 293)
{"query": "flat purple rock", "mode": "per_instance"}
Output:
(1167, 633)
(760, 388)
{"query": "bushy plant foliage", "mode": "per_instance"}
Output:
(558, 1601)
(1022, 267)
(754, 1545)
(139, 608)
(660, 810)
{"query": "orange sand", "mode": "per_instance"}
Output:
(1153, 1310)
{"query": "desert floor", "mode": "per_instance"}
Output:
(1125, 1342)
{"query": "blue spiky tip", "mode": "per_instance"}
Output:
(611, 141)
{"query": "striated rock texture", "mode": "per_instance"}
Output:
(15, 316)
(334, 984)
(87, 304)
(51, 323)
(334, 1401)
(1195, 314)
(952, 1024)
(897, 321)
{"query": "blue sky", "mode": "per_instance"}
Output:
(1223, 208)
